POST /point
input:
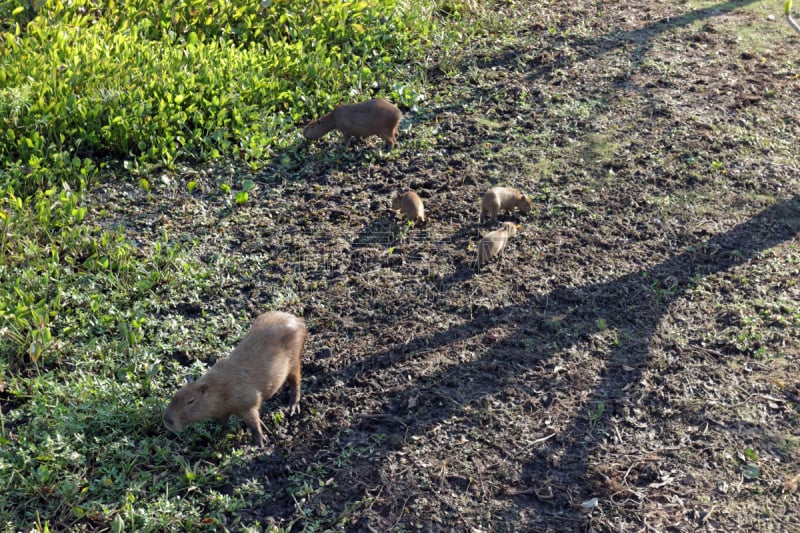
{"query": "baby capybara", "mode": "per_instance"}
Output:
(410, 204)
(493, 242)
(268, 356)
(499, 199)
(373, 117)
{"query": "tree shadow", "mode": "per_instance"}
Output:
(561, 320)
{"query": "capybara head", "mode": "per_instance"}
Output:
(509, 227)
(524, 205)
(315, 129)
(397, 202)
(192, 403)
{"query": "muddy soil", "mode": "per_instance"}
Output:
(628, 363)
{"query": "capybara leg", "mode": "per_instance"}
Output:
(253, 421)
(390, 140)
(224, 422)
(484, 253)
(293, 379)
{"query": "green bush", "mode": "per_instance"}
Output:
(155, 82)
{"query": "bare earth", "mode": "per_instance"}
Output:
(630, 361)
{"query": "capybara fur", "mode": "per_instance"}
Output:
(410, 204)
(268, 356)
(493, 242)
(499, 199)
(373, 117)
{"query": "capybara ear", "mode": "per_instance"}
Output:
(203, 388)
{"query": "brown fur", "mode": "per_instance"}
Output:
(499, 199)
(268, 356)
(493, 242)
(373, 117)
(410, 204)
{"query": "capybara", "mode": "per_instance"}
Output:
(494, 242)
(410, 204)
(499, 199)
(373, 117)
(268, 356)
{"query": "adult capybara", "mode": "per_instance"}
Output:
(493, 242)
(410, 204)
(373, 117)
(499, 199)
(268, 356)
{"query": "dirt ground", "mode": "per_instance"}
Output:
(628, 364)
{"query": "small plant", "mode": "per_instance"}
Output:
(750, 455)
(145, 185)
(243, 195)
(597, 414)
(663, 293)
(402, 231)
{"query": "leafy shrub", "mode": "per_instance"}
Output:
(83, 83)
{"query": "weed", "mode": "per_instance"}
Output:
(597, 414)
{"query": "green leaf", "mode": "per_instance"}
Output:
(191, 185)
(241, 197)
(247, 185)
(750, 454)
(751, 472)
(118, 524)
(20, 9)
